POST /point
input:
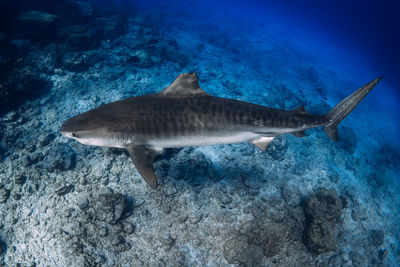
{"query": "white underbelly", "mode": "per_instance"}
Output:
(199, 140)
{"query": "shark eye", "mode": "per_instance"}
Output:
(73, 135)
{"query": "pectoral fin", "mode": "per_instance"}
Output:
(143, 158)
(262, 142)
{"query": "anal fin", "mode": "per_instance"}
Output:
(262, 142)
(143, 158)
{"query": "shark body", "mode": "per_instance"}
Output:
(185, 115)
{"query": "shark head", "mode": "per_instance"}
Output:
(90, 130)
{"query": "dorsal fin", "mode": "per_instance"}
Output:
(186, 85)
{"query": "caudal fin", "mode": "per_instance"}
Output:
(341, 110)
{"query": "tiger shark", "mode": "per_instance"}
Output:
(185, 115)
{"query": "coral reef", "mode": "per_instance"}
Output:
(324, 212)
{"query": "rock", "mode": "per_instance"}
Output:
(37, 16)
(30, 147)
(231, 248)
(44, 140)
(20, 179)
(195, 218)
(377, 237)
(238, 250)
(324, 205)
(3, 247)
(358, 259)
(37, 25)
(382, 254)
(129, 228)
(83, 203)
(61, 157)
(168, 241)
(251, 246)
(4, 195)
(292, 194)
(31, 159)
(10, 116)
(271, 237)
(98, 225)
(323, 211)
(341, 259)
(359, 212)
(278, 147)
(225, 199)
(16, 196)
(110, 207)
(141, 59)
(65, 190)
(334, 177)
(75, 61)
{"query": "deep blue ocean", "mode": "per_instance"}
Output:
(306, 201)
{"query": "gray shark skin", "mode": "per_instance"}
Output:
(185, 115)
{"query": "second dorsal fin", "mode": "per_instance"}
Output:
(300, 109)
(186, 85)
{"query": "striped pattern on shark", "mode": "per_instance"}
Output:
(185, 115)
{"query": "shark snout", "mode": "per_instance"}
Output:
(66, 130)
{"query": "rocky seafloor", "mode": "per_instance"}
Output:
(304, 202)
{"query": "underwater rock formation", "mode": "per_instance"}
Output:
(377, 237)
(324, 214)
(278, 147)
(100, 224)
(81, 37)
(75, 61)
(3, 250)
(60, 157)
(249, 248)
(4, 194)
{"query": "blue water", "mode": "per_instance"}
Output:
(281, 54)
(347, 44)
(363, 32)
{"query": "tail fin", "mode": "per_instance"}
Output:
(341, 110)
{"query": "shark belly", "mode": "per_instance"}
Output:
(203, 140)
